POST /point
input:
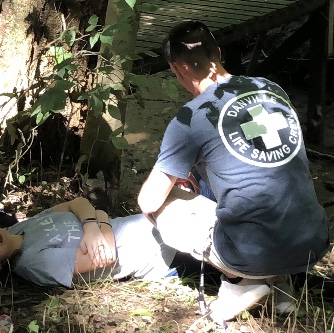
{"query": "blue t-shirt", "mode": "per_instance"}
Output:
(51, 240)
(243, 136)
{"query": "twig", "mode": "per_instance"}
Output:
(16, 302)
(195, 327)
(319, 154)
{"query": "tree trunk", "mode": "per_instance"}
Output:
(18, 48)
(27, 26)
(103, 167)
(28, 29)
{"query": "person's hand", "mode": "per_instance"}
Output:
(95, 245)
(190, 184)
(151, 218)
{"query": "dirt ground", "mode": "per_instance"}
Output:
(170, 305)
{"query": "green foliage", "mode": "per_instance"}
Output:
(170, 88)
(53, 92)
(33, 327)
(70, 81)
(131, 3)
(22, 177)
(245, 315)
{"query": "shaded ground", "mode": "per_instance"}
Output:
(168, 305)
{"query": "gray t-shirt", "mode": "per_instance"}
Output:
(243, 136)
(52, 238)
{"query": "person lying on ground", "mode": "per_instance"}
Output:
(243, 136)
(73, 241)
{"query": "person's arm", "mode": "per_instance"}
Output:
(83, 262)
(106, 229)
(155, 191)
(80, 207)
(94, 242)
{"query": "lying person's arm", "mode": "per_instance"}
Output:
(106, 230)
(98, 243)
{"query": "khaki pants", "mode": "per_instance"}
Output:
(186, 221)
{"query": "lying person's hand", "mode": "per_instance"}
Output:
(190, 184)
(96, 246)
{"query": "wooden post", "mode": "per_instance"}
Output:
(319, 49)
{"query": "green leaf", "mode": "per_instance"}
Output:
(53, 99)
(245, 315)
(117, 131)
(33, 327)
(64, 85)
(39, 118)
(106, 39)
(117, 86)
(93, 20)
(68, 36)
(21, 179)
(10, 95)
(107, 35)
(59, 53)
(139, 80)
(148, 8)
(170, 89)
(120, 142)
(105, 70)
(65, 63)
(64, 67)
(131, 3)
(94, 39)
(96, 105)
(114, 111)
(133, 56)
(123, 25)
(90, 28)
(83, 96)
(142, 312)
(36, 109)
(54, 302)
(151, 54)
(100, 92)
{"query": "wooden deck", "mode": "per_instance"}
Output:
(229, 20)
(232, 21)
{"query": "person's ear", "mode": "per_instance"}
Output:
(180, 69)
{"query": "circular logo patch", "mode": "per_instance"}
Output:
(260, 128)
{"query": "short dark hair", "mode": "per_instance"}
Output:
(7, 220)
(193, 43)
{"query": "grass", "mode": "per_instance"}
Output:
(166, 306)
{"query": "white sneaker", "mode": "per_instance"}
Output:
(235, 298)
(284, 301)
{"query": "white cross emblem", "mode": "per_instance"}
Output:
(264, 125)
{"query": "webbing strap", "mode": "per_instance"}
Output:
(205, 310)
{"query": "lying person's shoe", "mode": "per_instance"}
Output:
(284, 301)
(235, 298)
(6, 324)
